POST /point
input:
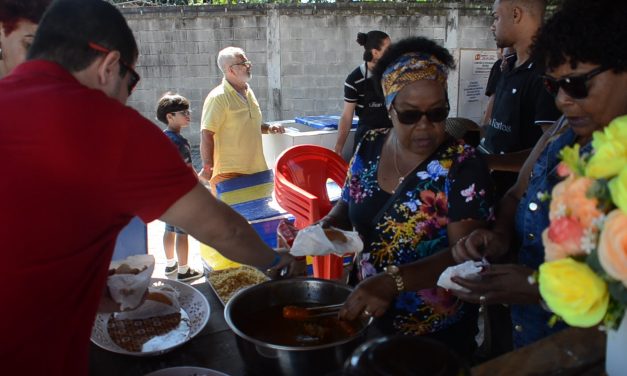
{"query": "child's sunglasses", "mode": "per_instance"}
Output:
(575, 86)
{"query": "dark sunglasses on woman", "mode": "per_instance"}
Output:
(436, 115)
(575, 86)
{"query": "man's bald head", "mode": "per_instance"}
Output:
(535, 8)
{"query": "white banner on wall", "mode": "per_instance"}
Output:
(474, 70)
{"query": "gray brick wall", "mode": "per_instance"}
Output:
(311, 48)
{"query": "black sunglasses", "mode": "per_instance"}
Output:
(575, 86)
(132, 83)
(436, 115)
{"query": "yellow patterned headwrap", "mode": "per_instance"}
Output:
(408, 68)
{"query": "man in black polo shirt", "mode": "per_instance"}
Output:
(522, 107)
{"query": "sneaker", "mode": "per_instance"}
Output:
(172, 269)
(191, 274)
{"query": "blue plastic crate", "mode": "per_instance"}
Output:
(323, 121)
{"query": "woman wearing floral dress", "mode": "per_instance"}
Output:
(410, 192)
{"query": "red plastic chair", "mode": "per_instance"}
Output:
(300, 187)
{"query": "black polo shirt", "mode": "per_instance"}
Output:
(521, 106)
(359, 88)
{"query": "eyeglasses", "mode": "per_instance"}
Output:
(183, 112)
(435, 115)
(134, 75)
(246, 63)
(575, 86)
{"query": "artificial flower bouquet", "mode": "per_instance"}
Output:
(584, 277)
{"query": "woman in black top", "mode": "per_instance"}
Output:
(360, 95)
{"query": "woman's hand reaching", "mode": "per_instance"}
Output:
(500, 284)
(479, 244)
(371, 297)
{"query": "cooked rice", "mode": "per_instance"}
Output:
(228, 281)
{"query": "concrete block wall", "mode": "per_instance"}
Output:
(301, 54)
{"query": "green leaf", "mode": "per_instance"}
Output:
(618, 292)
(614, 315)
(601, 191)
(570, 157)
(593, 262)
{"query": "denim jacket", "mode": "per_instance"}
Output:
(530, 322)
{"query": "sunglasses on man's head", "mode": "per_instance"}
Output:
(436, 115)
(575, 86)
(132, 83)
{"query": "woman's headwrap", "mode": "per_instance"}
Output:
(408, 68)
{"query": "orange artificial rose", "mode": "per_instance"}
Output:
(613, 246)
(569, 199)
(562, 239)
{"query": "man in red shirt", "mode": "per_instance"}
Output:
(77, 166)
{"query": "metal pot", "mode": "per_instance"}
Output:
(264, 358)
(404, 356)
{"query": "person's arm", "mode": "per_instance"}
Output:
(425, 273)
(214, 223)
(494, 244)
(272, 128)
(487, 116)
(375, 294)
(337, 217)
(206, 153)
(507, 162)
(344, 126)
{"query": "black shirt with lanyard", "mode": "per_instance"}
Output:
(370, 104)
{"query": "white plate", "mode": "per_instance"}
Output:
(192, 302)
(186, 371)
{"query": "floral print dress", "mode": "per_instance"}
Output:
(452, 185)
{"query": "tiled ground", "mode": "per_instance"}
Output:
(155, 248)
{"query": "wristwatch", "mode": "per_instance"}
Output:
(394, 272)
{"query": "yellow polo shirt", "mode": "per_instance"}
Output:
(236, 125)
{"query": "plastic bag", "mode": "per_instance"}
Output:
(317, 241)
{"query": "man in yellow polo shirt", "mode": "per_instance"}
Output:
(231, 123)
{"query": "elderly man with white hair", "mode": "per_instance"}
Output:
(231, 124)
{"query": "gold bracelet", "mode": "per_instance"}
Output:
(394, 272)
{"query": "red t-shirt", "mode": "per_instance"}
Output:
(76, 167)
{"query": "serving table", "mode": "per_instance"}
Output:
(573, 351)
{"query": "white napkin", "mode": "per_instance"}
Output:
(153, 308)
(313, 241)
(467, 270)
(128, 289)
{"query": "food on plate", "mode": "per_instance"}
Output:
(158, 315)
(228, 281)
(131, 265)
(129, 278)
(131, 335)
